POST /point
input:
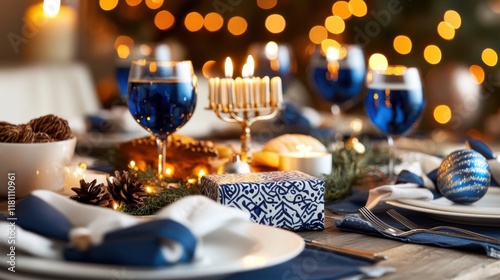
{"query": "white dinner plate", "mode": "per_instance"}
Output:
(489, 204)
(249, 247)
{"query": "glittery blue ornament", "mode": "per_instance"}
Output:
(464, 176)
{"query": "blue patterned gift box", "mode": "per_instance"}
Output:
(286, 199)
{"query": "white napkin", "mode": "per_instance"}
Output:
(198, 213)
(420, 164)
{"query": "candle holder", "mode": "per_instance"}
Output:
(245, 100)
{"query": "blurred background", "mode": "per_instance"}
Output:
(453, 43)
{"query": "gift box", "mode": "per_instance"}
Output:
(286, 199)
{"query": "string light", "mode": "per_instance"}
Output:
(267, 4)
(446, 30)
(378, 61)
(453, 18)
(358, 8)
(154, 4)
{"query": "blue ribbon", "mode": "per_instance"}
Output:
(139, 245)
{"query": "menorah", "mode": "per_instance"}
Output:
(245, 101)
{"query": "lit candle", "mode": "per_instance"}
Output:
(247, 72)
(223, 94)
(228, 68)
(312, 163)
(238, 87)
(256, 91)
(74, 174)
(52, 31)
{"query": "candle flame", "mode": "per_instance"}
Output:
(132, 164)
(303, 149)
(250, 66)
(51, 7)
(229, 68)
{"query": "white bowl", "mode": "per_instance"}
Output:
(28, 167)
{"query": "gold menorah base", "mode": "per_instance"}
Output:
(245, 117)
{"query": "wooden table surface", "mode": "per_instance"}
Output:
(412, 261)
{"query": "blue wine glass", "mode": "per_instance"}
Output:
(162, 97)
(394, 103)
(338, 75)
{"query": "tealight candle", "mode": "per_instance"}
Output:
(312, 163)
(75, 173)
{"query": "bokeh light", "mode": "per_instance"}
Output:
(213, 22)
(123, 51)
(164, 20)
(193, 21)
(358, 8)
(378, 61)
(329, 43)
(442, 114)
(453, 18)
(402, 44)
(207, 68)
(489, 57)
(133, 3)
(237, 25)
(445, 30)
(317, 34)
(432, 54)
(478, 73)
(335, 24)
(341, 9)
(154, 4)
(124, 40)
(275, 23)
(108, 5)
(267, 4)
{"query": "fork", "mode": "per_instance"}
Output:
(411, 225)
(384, 227)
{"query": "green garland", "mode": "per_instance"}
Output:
(349, 167)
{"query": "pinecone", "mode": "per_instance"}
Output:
(90, 193)
(124, 188)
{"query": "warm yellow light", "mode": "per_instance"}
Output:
(489, 57)
(206, 69)
(267, 4)
(335, 24)
(123, 51)
(153, 67)
(328, 43)
(453, 18)
(402, 44)
(228, 68)
(51, 7)
(133, 3)
(193, 21)
(169, 171)
(154, 4)
(378, 61)
(115, 205)
(108, 5)
(432, 54)
(275, 23)
(478, 73)
(358, 8)
(271, 50)
(248, 68)
(132, 164)
(124, 40)
(213, 22)
(82, 167)
(442, 114)
(237, 25)
(341, 9)
(148, 189)
(445, 30)
(317, 34)
(164, 20)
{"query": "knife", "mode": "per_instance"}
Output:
(359, 254)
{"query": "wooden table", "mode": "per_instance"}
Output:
(412, 261)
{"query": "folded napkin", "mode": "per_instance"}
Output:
(354, 223)
(53, 226)
(418, 175)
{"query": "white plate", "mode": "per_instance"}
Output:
(489, 204)
(249, 247)
(455, 217)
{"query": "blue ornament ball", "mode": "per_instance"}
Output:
(464, 176)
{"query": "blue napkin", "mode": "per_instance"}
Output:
(354, 223)
(315, 263)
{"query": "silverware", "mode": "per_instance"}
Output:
(411, 225)
(384, 227)
(359, 254)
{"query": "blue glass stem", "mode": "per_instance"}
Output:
(162, 156)
(392, 158)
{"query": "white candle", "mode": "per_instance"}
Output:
(312, 163)
(238, 84)
(276, 92)
(211, 93)
(223, 94)
(231, 92)
(216, 96)
(74, 174)
(264, 91)
(256, 91)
